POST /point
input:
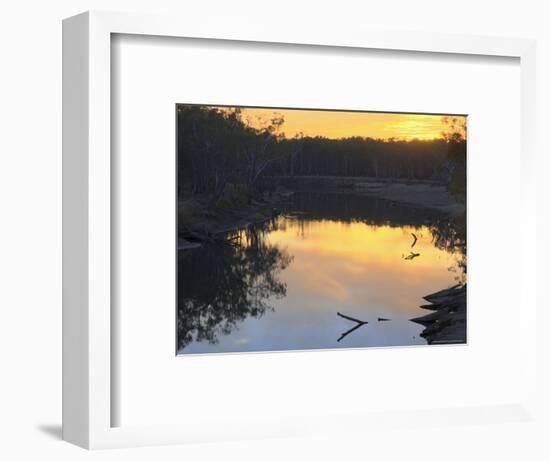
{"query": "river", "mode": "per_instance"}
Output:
(306, 279)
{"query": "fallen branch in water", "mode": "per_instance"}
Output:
(351, 330)
(415, 239)
(360, 323)
(351, 318)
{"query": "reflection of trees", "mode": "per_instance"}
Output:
(223, 283)
(450, 235)
(355, 207)
(455, 166)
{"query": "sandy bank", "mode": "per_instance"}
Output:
(428, 194)
(425, 195)
(210, 226)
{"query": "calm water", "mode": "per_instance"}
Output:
(280, 285)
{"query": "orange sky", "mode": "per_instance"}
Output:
(334, 124)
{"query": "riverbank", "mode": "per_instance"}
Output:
(447, 324)
(197, 224)
(425, 195)
(420, 193)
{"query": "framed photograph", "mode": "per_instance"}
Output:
(269, 233)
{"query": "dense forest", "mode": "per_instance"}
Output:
(216, 147)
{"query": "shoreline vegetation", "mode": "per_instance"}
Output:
(233, 176)
(198, 224)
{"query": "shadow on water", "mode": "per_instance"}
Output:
(446, 324)
(239, 277)
(355, 207)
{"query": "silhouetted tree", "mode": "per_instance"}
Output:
(217, 146)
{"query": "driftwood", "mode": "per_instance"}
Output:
(414, 241)
(411, 256)
(381, 319)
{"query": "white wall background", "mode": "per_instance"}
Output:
(30, 225)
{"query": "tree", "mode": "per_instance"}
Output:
(455, 137)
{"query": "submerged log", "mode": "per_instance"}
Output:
(411, 256)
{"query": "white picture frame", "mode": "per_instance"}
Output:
(87, 361)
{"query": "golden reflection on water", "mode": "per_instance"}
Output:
(361, 266)
(354, 268)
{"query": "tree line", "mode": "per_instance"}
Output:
(216, 147)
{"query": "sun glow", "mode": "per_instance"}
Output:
(337, 267)
(342, 124)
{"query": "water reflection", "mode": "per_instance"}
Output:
(223, 283)
(294, 283)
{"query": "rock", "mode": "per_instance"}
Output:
(447, 324)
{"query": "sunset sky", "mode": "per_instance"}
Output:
(333, 124)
